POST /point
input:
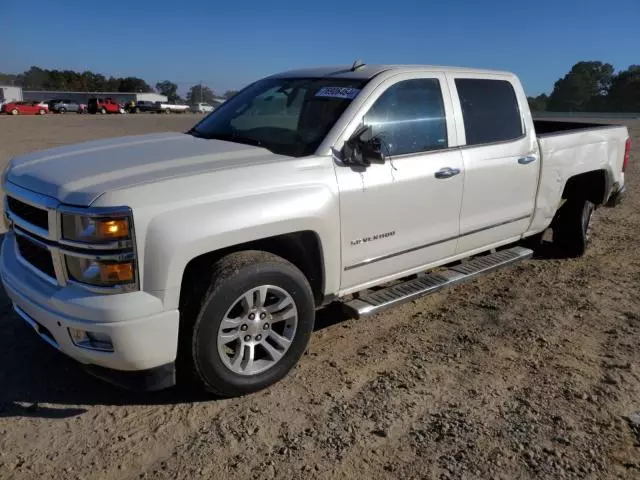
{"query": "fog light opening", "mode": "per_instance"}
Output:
(91, 340)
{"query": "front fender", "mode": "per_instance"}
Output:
(175, 237)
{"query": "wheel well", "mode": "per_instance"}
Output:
(303, 249)
(592, 186)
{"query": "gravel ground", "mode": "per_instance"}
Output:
(531, 372)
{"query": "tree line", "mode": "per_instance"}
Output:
(587, 87)
(592, 87)
(36, 78)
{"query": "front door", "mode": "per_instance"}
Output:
(404, 213)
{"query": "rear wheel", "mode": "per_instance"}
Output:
(103, 111)
(571, 230)
(167, 111)
(251, 326)
(41, 111)
(14, 111)
(63, 110)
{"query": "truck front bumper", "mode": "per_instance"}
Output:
(143, 336)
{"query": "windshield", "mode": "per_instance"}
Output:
(289, 116)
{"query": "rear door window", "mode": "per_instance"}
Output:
(490, 110)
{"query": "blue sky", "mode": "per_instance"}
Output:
(228, 44)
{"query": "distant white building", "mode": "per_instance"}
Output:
(10, 94)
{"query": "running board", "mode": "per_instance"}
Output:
(374, 302)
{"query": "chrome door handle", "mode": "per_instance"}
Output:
(447, 172)
(526, 160)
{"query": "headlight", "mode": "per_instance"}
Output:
(100, 273)
(79, 228)
(98, 248)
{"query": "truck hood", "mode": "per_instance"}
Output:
(79, 174)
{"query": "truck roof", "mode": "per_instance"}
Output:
(366, 72)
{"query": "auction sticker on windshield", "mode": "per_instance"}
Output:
(338, 92)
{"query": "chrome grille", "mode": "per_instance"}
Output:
(36, 222)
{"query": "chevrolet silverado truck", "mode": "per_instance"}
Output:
(202, 256)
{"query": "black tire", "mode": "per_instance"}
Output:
(571, 227)
(63, 110)
(201, 315)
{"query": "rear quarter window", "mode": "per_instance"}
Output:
(490, 110)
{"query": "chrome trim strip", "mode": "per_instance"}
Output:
(477, 230)
(29, 321)
(396, 254)
(119, 245)
(420, 247)
(113, 257)
(491, 144)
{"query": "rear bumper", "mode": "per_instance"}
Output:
(144, 336)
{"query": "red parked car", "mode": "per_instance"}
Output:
(104, 105)
(25, 108)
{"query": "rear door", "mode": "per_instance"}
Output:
(403, 214)
(500, 156)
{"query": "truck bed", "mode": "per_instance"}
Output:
(572, 148)
(552, 127)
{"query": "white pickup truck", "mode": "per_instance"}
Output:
(172, 107)
(204, 255)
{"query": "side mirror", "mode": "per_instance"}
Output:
(361, 152)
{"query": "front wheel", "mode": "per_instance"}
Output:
(251, 326)
(14, 111)
(572, 228)
(63, 110)
(103, 111)
(41, 111)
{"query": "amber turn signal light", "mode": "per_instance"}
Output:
(112, 228)
(116, 272)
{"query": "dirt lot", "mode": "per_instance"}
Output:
(531, 372)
